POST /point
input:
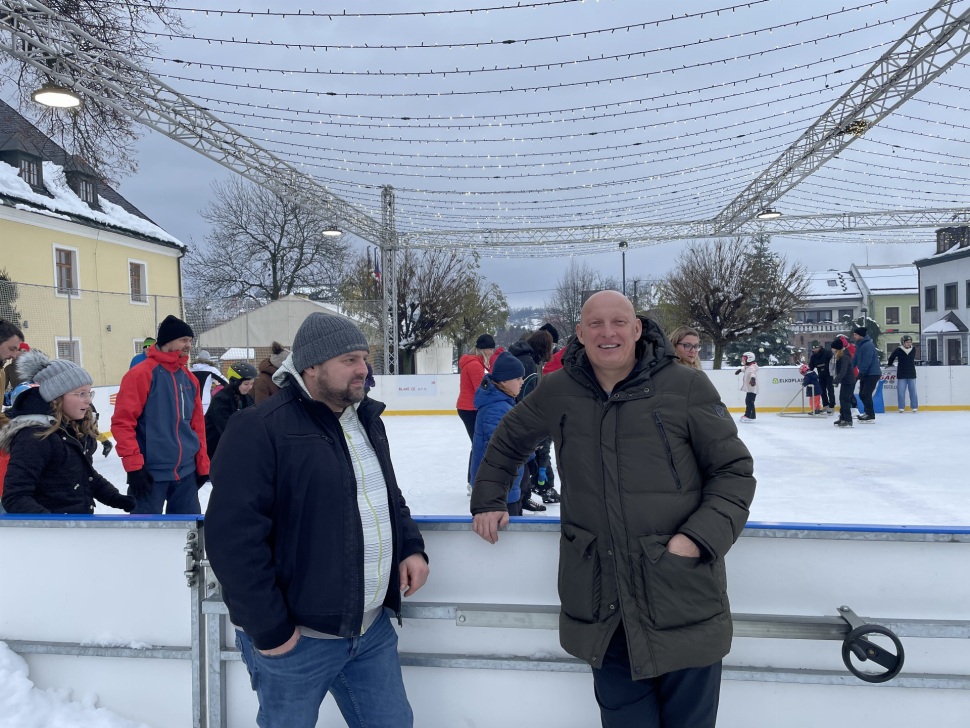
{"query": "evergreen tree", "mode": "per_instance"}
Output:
(8, 299)
(872, 328)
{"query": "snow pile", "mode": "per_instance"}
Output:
(66, 201)
(24, 706)
(106, 640)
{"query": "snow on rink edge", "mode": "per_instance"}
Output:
(902, 469)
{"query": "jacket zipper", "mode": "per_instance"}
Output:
(178, 421)
(670, 454)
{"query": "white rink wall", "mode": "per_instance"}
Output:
(937, 387)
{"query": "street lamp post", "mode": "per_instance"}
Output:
(623, 247)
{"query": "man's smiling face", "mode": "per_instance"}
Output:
(609, 329)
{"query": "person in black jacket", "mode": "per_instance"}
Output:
(905, 374)
(51, 438)
(311, 539)
(229, 400)
(819, 361)
(845, 378)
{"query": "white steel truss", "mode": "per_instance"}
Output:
(928, 49)
(653, 233)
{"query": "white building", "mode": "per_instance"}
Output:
(831, 295)
(944, 297)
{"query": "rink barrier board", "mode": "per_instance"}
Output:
(216, 656)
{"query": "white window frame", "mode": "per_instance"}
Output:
(138, 345)
(76, 260)
(81, 184)
(77, 342)
(144, 280)
(944, 355)
(899, 315)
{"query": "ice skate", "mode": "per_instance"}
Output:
(531, 505)
(549, 495)
(843, 423)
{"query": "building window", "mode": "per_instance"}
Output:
(86, 191)
(65, 271)
(138, 281)
(812, 317)
(968, 294)
(845, 313)
(30, 172)
(929, 298)
(950, 299)
(914, 314)
(954, 353)
(931, 351)
(890, 348)
(69, 349)
(892, 315)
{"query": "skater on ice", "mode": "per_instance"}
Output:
(472, 368)
(749, 385)
(810, 383)
(905, 354)
(655, 479)
(312, 541)
(866, 363)
(844, 378)
(819, 361)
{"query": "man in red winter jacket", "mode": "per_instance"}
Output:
(159, 427)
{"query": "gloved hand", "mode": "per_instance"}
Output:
(128, 503)
(738, 371)
(140, 483)
(201, 480)
(542, 476)
(107, 447)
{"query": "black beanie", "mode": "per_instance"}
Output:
(552, 332)
(485, 341)
(861, 331)
(837, 344)
(171, 329)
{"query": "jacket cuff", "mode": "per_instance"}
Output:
(412, 547)
(273, 638)
(133, 463)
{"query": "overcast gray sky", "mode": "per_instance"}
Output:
(661, 146)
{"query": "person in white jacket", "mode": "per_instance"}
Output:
(749, 385)
(208, 375)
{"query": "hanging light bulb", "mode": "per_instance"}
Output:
(768, 214)
(332, 231)
(58, 97)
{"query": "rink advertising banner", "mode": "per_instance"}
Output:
(417, 385)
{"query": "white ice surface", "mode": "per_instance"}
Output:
(24, 706)
(904, 469)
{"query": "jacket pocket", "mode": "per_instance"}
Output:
(579, 574)
(680, 590)
(670, 453)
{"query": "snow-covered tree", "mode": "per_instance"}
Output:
(731, 290)
(263, 246)
(576, 285)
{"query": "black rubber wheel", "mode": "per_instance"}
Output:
(856, 644)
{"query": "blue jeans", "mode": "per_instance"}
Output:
(362, 673)
(182, 497)
(903, 386)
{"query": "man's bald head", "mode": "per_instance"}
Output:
(606, 299)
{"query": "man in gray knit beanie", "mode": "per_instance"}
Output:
(312, 540)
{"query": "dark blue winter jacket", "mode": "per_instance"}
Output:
(866, 360)
(811, 380)
(492, 405)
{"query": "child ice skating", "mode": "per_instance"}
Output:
(812, 387)
(749, 385)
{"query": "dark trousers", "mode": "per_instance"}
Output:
(681, 699)
(828, 391)
(178, 496)
(866, 388)
(845, 401)
(514, 509)
(749, 406)
(468, 418)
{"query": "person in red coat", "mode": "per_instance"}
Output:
(472, 368)
(159, 426)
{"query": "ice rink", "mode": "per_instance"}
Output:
(903, 469)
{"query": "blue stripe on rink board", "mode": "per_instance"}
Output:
(763, 525)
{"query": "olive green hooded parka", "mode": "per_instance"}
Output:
(660, 455)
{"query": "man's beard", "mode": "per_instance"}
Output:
(338, 397)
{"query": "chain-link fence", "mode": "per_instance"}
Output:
(102, 331)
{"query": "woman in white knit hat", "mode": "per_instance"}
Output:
(51, 438)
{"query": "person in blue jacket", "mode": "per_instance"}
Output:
(866, 360)
(494, 398)
(139, 358)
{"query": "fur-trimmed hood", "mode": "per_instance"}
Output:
(30, 410)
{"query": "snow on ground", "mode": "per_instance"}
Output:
(903, 469)
(24, 706)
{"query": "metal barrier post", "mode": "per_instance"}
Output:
(214, 648)
(193, 558)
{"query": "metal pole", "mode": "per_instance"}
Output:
(156, 315)
(247, 331)
(624, 271)
(70, 324)
(389, 253)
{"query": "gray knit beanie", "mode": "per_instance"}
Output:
(56, 378)
(322, 337)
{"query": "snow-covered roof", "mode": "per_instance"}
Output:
(949, 324)
(831, 284)
(885, 280)
(18, 134)
(236, 354)
(66, 205)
